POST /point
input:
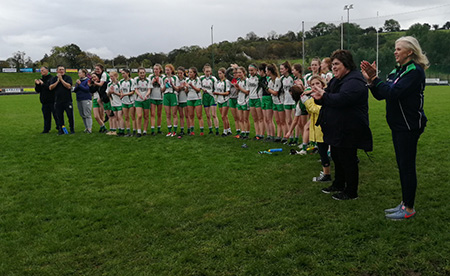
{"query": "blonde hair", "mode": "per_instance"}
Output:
(319, 78)
(417, 56)
(115, 74)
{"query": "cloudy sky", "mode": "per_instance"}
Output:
(133, 27)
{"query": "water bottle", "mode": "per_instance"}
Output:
(65, 130)
(276, 150)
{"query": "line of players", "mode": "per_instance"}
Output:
(263, 92)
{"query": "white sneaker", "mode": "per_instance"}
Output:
(169, 134)
(302, 152)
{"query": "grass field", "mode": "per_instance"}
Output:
(97, 205)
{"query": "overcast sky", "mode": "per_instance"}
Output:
(133, 27)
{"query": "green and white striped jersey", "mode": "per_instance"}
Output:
(221, 87)
(182, 96)
(115, 100)
(208, 84)
(170, 83)
(141, 87)
(126, 86)
(156, 93)
(288, 82)
(192, 94)
(276, 86)
(242, 97)
(252, 85)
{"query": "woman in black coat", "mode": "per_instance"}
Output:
(344, 120)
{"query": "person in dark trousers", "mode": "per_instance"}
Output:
(47, 99)
(62, 86)
(403, 93)
(344, 119)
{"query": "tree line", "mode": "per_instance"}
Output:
(320, 41)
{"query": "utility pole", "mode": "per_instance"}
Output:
(348, 8)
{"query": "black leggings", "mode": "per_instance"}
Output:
(323, 152)
(405, 145)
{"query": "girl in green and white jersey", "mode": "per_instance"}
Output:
(116, 122)
(325, 70)
(287, 81)
(302, 122)
(208, 99)
(194, 101)
(156, 100)
(242, 106)
(171, 84)
(277, 92)
(182, 99)
(255, 101)
(315, 71)
(142, 103)
(128, 97)
(222, 92)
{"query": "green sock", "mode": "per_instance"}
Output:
(210, 129)
(217, 130)
(159, 128)
(153, 130)
(296, 140)
(192, 129)
(238, 131)
(170, 128)
(201, 129)
(175, 129)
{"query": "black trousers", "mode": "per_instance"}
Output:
(346, 171)
(405, 145)
(48, 110)
(59, 110)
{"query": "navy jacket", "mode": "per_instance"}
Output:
(403, 92)
(344, 116)
(83, 91)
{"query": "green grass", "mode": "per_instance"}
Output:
(96, 205)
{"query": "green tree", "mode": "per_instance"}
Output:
(391, 25)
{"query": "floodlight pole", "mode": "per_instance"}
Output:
(303, 44)
(342, 33)
(348, 8)
(212, 48)
(378, 42)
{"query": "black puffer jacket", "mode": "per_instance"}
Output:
(344, 116)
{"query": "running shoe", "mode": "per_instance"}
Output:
(395, 209)
(401, 214)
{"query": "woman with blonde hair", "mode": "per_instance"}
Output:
(403, 93)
